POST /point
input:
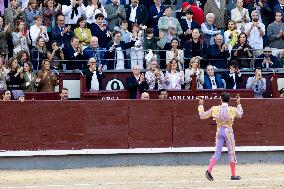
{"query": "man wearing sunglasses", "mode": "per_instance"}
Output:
(267, 60)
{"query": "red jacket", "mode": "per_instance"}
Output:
(198, 14)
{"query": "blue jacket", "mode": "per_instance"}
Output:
(101, 35)
(65, 39)
(98, 54)
(208, 84)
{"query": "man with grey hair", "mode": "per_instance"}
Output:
(209, 30)
(93, 50)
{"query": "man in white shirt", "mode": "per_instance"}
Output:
(255, 30)
(73, 12)
(37, 30)
(94, 9)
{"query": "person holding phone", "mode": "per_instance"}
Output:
(257, 83)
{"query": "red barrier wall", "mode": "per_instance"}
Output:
(41, 125)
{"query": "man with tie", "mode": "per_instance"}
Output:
(212, 80)
(73, 52)
(233, 78)
(136, 13)
(61, 33)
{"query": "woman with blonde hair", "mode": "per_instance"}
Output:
(46, 80)
(194, 69)
(174, 77)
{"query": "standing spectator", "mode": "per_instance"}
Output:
(136, 13)
(46, 80)
(150, 46)
(6, 96)
(94, 75)
(217, 7)
(219, 53)
(188, 25)
(154, 77)
(264, 8)
(115, 14)
(101, 31)
(257, 83)
(194, 69)
(55, 55)
(16, 77)
(23, 57)
(39, 53)
(96, 52)
(275, 34)
(83, 33)
(242, 51)
(4, 35)
(13, 13)
(231, 4)
(231, 35)
(49, 14)
(32, 11)
(74, 53)
(212, 80)
(136, 52)
(175, 53)
(198, 14)
(156, 12)
(20, 37)
(136, 83)
(209, 30)
(29, 78)
(61, 33)
(3, 75)
(73, 12)
(174, 77)
(240, 15)
(267, 60)
(280, 8)
(234, 77)
(37, 30)
(255, 30)
(92, 10)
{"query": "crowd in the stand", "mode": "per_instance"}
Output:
(98, 35)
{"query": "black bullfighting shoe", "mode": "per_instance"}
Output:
(209, 176)
(235, 178)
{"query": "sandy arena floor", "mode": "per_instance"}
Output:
(266, 176)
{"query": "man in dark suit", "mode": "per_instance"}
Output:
(136, 83)
(267, 60)
(212, 80)
(233, 78)
(188, 25)
(73, 52)
(116, 52)
(136, 13)
(94, 83)
(61, 33)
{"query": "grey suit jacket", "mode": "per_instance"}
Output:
(220, 14)
(112, 18)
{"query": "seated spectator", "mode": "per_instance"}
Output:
(73, 12)
(64, 94)
(267, 60)
(275, 34)
(174, 77)
(163, 94)
(154, 77)
(115, 14)
(209, 30)
(4, 35)
(94, 76)
(194, 69)
(188, 25)
(74, 52)
(219, 53)
(242, 52)
(6, 96)
(175, 53)
(257, 83)
(264, 8)
(39, 53)
(49, 12)
(55, 55)
(281, 93)
(240, 15)
(46, 80)
(255, 30)
(92, 10)
(136, 51)
(37, 30)
(3, 76)
(20, 37)
(156, 12)
(136, 83)
(194, 46)
(150, 46)
(136, 13)
(116, 52)
(212, 80)
(234, 77)
(95, 51)
(29, 78)
(231, 35)
(12, 14)
(16, 77)
(32, 11)
(145, 96)
(101, 31)
(83, 33)
(23, 57)
(61, 33)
